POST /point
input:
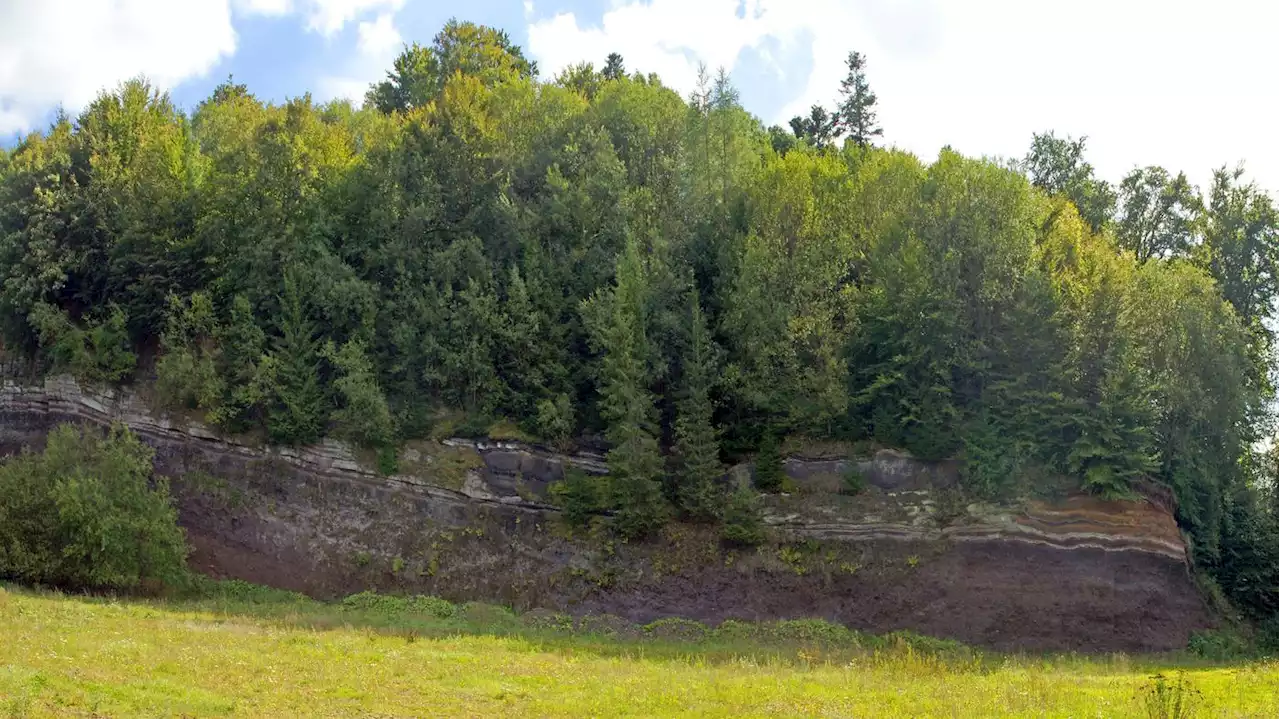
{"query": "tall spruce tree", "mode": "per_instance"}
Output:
(856, 113)
(697, 440)
(297, 412)
(613, 67)
(627, 405)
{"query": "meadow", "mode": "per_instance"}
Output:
(231, 649)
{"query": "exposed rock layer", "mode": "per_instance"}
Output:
(469, 520)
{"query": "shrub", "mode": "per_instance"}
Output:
(852, 481)
(363, 417)
(389, 605)
(1220, 645)
(87, 514)
(742, 522)
(676, 628)
(98, 352)
(578, 497)
(555, 419)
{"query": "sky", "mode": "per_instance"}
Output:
(1189, 85)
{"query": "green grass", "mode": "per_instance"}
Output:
(237, 650)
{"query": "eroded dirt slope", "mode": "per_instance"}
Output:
(468, 521)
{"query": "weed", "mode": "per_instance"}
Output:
(1169, 697)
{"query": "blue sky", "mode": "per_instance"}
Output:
(1184, 84)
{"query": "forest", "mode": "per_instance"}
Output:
(593, 257)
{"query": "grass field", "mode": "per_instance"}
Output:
(236, 650)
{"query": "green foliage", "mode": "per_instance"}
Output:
(362, 416)
(555, 419)
(742, 524)
(579, 497)
(87, 514)
(768, 472)
(1170, 697)
(241, 343)
(1057, 166)
(853, 481)
(291, 373)
(395, 607)
(420, 74)
(186, 371)
(1219, 645)
(635, 465)
(856, 112)
(697, 440)
(98, 352)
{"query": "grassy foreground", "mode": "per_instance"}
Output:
(236, 650)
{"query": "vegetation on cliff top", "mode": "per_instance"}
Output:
(479, 239)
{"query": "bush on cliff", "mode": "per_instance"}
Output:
(86, 513)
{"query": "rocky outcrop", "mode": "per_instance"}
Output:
(470, 520)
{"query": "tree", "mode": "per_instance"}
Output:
(697, 440)
(362, 415)
(1158, 214)
(613, 67)
(296, 413)
(186, 371)
(241, 343)
(768, 466)
(581, 78)
(856, 113)
(1241, 242)
(635, 465)
(1056, 165)
(419, 74)
(87, 514)
(819, 128)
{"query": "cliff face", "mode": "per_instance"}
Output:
(469, 520)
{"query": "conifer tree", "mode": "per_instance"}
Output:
(241, 343)
(297, 413)
(856, 113)
(769, 473)
(635, 463)
(697, 439)
(613, 67)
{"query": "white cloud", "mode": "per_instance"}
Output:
(65, 52)
(379, 37)
(326, 17)
(1181, 83)
(265, 7)
(668, 37)
(378, 44)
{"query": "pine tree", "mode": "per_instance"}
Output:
(769, 473)
(240, 342)
(856, 113)
(297, 413)
(613, 67)
(635, 463)
(697, 439)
